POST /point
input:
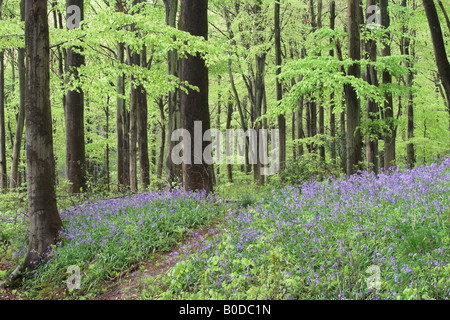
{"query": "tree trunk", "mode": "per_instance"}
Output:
(108, 177)
(74, 116)
(120, 123)
(142, 123)
(194, 105)
(389, 136)
(134, 105)
(300, 131)
(163, 140)
(321, 109)
(279, 88)
(447, 19)
(14, 174)
(45, 222)
(354, 139)
(174, 171)
(442, 63)
(3, 173)
(219, 105)
(259, 94)
(332, 106)
(405, 50)
(228, 127)
(372, 107)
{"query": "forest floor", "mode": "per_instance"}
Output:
(129, 284)
(8, 294)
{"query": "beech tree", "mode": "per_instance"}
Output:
(74, 107)
(279, 88)
(15, 161)
(354, 138)
(174, 171)
(3, 174)
(439, 46)
(45, 222)
(194, 104)
(372, 107)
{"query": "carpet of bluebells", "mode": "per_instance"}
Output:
(108, 236)
(364, 237)
(361, 237)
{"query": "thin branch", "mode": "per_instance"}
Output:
(61, 43)
(13, 35)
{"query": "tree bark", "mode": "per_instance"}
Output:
(15, 161)
(120, 123)
(371, 107)
(74, 118)
(279, 88)
(440, 53)
(194, 105)
(228, 126)
(332, 106)
(45, 222)
(134, 105)
(405, 50)
(108, 175)
(389, 136)
(447, 19)
(142, 124)
(259, 95)
(354, 139)
(163, 140)
(174, 171)
(3, 173)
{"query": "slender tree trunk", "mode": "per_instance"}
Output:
(389, 136)
(322, 131)
(194, 106)
(3, 173)
(372, 107)
(300, 131)
(320, 104)
(332, 100)
(163, 140)
(219, 105)
(228, 127)
(45, 222)
(440, 53)
(74, 115)
(354, 139)
(259, 94)
(142, 124)
(343, 142)
(444, 11)
(134, 105)
(405, 50)
(120, 122)
(279, 88)
(14, 174)
(174, 171)
(108, 177)
(241, 112)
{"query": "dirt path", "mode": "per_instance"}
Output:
(129, 284)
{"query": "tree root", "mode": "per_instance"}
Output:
(15, 275)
